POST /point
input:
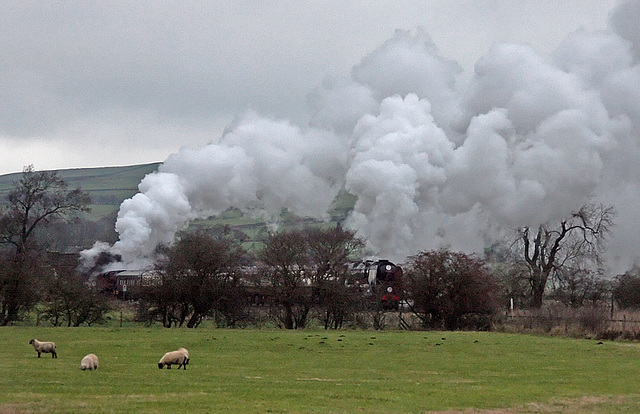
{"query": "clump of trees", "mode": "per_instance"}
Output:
(308, 269)
(304, 275)
(450, 290)
(207, 274)
(68, 300)
(627, 290)
(200, 276)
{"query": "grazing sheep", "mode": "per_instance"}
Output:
(178, 358)
(185, 351)
(89, 362)
(44, 348)
(187, 354)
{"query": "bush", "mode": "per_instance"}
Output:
(593, 319)
(451, 290)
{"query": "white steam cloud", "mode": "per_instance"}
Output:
(433, 163)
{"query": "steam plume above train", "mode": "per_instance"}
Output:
(434, 161)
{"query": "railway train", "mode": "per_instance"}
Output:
(379, 281)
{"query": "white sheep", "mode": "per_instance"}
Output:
(187, 354)
(44, 348)
(90, 362)
(179, 358)
(185, 351)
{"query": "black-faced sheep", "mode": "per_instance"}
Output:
(44, 348)
(89, 362)
(178, 358)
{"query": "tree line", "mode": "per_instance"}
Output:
(302, 274)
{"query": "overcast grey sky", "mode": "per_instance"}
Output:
(88, 84)
(451, 121)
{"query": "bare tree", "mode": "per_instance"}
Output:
(330, 251)
(576, 287)
(287, 266)
(513, 282)
(307, 269)
(552, 246)
(166, 301)
(38, 199)
(21, 284)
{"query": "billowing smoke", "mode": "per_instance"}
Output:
(433, 163)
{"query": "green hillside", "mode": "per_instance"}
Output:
(109, 186)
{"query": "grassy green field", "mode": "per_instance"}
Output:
(256, 371)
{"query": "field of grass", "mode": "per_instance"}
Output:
(317, 371)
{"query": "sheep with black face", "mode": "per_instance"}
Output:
(44, 348)
(179, 358)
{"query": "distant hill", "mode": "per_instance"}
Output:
(108, 186)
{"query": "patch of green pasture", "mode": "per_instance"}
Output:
(108, 186)
(313, 371)
(344, 202)
(106, 178)
(101, 210)
(126, 177)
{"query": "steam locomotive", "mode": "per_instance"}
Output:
(379, 280)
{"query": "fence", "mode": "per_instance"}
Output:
(590, 322)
